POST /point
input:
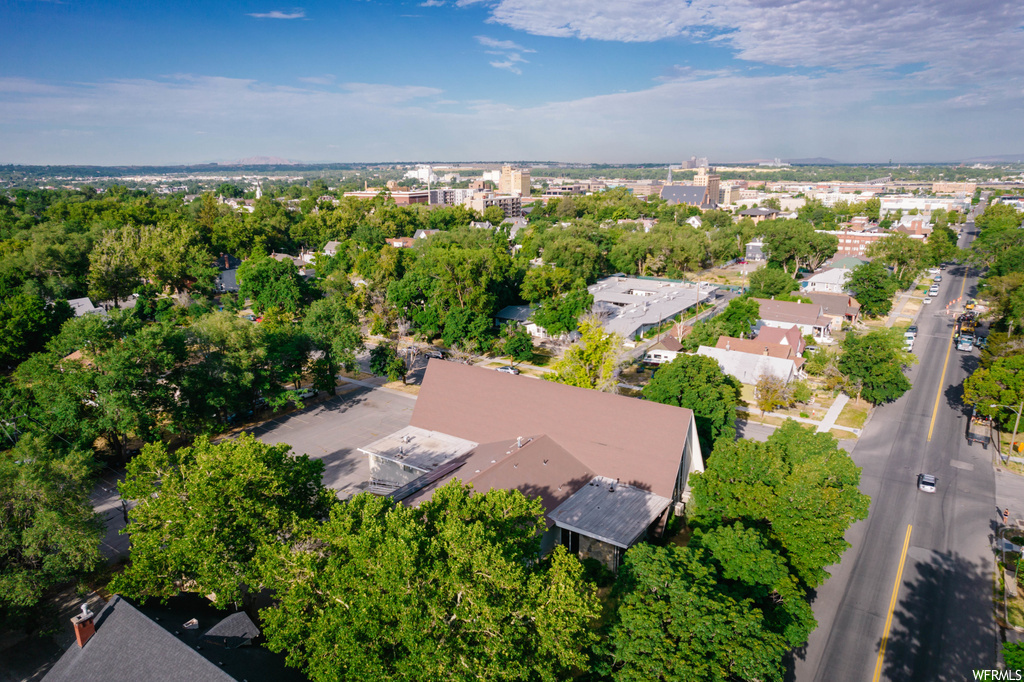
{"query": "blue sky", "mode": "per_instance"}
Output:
(570, 80)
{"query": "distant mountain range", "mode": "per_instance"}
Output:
(996, 158)
(264, 161)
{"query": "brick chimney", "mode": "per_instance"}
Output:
(84, 624)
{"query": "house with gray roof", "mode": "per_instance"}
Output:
(807, 317)
(747, 368)
(185, 640)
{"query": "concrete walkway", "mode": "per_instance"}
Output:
(829, 421)
(821, 425)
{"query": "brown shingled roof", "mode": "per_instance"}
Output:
(540, 467)
(636, 441)
(792, 312)
(759, 347)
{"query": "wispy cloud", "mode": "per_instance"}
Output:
(511, 51)
(296, 13)
(326, 79)
(433, 3)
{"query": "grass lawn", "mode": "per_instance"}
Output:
(854, 414)
(411, 389)
(842, 435)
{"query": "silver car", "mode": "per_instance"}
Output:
(926, 483)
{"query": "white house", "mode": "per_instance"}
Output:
(830, 281)
(747, 368)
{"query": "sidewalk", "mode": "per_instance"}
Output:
(827, 423)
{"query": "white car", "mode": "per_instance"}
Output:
(926, 301)
(908, 344)
(933, 271)
(304, 393)
(926, 483)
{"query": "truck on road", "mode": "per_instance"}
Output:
(979, 430)
(965, 342)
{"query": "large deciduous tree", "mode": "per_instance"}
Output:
(677, 622)
(698, 383)
(203, 512)
(451, 589)
(800, 489)
(49, 533)
(876, 361)
(873, 287)
(1001, 383)
(904, 255)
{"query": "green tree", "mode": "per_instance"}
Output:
(698, 383)
(793, 244)
(676, 622)
(771, 282)
(517, 342)
(873, 287)
(739, 317)
(26, 324)
(203, 512)
(451, 589)
(561, 313)
(1001, 383)
(904, 255)
(876, 361)
(1013, 655)
(494, 215)
(540, 284)
(113, 265)
(384, 362)
(49, 533)
(592, 361)
(333, 329)
(799, 487)
(272, 283)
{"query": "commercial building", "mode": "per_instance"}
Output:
(515, 181)
(629, 306)
(512, 206)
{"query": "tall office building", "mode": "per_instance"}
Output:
(515, 181)
(705, 179)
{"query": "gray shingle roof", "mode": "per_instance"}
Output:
(684, 194)
(610, 511)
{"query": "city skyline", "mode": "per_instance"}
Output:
(616, 82)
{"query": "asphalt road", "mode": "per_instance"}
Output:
(942, 624)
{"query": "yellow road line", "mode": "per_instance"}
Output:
(892, 608)
(945, 364)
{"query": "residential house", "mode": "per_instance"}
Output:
(849, 262)
(759, 214)
(523, 315)
(401, 242)
(84, 306)
(747, 368)
(423, 234)
(754, 252)
(830, 281)
(664, 351)
(761, 346)
(840, 307)
(185, 639)
(548, 440)
(785, 337)
(807, 317)
(331, 248)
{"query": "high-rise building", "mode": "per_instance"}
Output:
(705, 179)
(515, 181)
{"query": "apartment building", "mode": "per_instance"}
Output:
(515, 181)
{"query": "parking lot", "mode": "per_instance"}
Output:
(333, 431)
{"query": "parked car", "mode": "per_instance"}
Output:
(435, 354)
(933, 271)
(508, 369)
(937, 278)
(926, 301)
(926, 483)
(912, 330)
(303, 393)
(933, 292)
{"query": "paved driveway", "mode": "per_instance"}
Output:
(334, 429)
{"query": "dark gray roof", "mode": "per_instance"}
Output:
(516, 313)
(610, 511)
(129, 646)
(146, 642)
(759, 211)
(684, 194)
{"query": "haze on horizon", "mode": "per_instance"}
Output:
(610, 81)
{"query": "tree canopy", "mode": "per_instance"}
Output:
(697, 383)
(202, 513)
(448, 590)
(592, 362)
(875, 361)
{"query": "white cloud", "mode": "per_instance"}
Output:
(944, 41)
(327, 79)
(433, 3)
(501, 44)
(727, 115)
(511, 51)
(297, 13)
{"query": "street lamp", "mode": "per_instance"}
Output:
(1013, 439)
